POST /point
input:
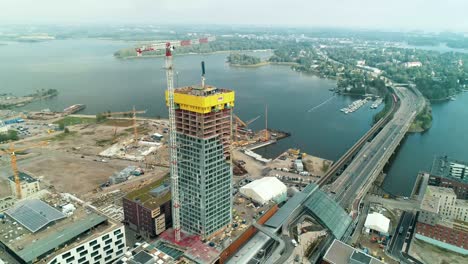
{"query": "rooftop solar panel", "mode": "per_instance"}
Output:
(34, 214)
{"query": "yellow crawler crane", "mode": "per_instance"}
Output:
(14, 166)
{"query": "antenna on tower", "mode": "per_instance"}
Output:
(203, 74)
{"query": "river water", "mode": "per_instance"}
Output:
(84, 71)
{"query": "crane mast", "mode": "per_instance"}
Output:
(173, 143)
(169, 47)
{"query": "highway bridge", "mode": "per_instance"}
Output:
(365, 161)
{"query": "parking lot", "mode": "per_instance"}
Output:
(32, 128)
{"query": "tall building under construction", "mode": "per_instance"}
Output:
(203, 116)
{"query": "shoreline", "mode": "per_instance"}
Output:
(192, 53)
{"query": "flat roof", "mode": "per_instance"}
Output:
(34, 214)
(341, 253)
(24, 177)
(440, 190)
(144, 196)
(34, 250)
(57, 237)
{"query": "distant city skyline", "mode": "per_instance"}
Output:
(428, 15)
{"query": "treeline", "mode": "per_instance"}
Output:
(243, 59)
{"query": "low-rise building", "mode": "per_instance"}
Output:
(35, 231)
(437, 221)
(449, 206)
(298, 165)
(450, 168)
(29, 185)
(148, 210)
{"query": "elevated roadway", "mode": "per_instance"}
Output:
(368, 163)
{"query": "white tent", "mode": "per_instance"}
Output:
(377, 222)
(264, 190)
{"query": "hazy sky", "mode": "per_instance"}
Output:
(388, 14)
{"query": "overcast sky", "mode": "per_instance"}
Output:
(386, 14)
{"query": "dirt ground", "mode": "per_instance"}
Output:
(316, 166)
(428, 253)
(374, 249)
(4, 187)
(70, 173)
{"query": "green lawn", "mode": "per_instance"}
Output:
(70, 120)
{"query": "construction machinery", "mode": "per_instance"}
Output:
(169, 47)
(14, 166)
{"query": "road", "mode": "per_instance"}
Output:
(399, 239)
(400, 203)
(369, 162)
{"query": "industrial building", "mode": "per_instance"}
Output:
(203, 118)
(264, 190)
(148, 210)
(35, 231)
(29, 185)
(341, 253)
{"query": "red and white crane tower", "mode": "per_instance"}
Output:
(169, 48)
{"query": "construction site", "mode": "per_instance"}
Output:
(207, 151)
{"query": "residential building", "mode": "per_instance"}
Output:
(49, 236)
(449, 206)
(438, 225)
(341, 253)
(203, 119)
(29, 185)
(147, 211)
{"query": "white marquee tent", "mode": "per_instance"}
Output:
(264, 190)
